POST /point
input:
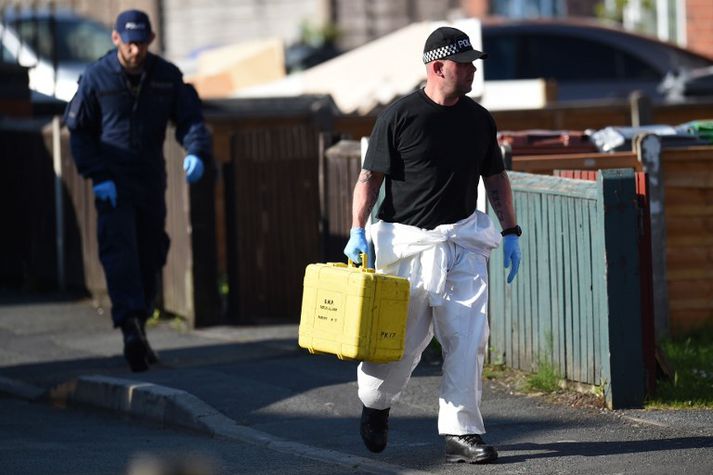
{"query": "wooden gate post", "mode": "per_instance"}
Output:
(622, 333)
(648, 150)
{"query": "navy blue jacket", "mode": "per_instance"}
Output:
(117, 135)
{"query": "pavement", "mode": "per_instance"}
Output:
(253, 386)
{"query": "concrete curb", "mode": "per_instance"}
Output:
(140, 399)
(177, 408)
(20, 390)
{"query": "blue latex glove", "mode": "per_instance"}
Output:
(356, 245)
(512, 254)
(106, 190)
(193, 166)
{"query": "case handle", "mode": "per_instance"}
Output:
(364, 261)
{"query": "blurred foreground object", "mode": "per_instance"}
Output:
(147, 464)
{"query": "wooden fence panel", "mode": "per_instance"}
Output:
(27, 243)
(342, 169)
(177, 275)
(645, 268)
(575, 302)
(275, 213)
(543, 304)
(80, 227)
(190, 277)
(688, 182)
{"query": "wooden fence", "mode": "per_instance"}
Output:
(27, 241)
(222, 228)
(341, 166)
(681, 181)
(33, 248)
(645, 267)
(274, 216)
(190, 278)
(688, 208)
(562, 117)
(575, 303)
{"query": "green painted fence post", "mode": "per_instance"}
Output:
(622, 365)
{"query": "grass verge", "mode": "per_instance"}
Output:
(691, 384)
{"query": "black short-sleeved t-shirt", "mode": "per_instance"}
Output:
(433, 157)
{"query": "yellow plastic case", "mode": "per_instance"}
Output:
(353, 312)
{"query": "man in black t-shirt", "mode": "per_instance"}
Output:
(430, 150)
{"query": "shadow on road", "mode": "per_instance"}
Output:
(595, 449)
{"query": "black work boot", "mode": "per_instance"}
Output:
(151, 355)
(374, 428)
(135, 345)
(469, 448)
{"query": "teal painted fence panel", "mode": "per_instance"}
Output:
(579, 273)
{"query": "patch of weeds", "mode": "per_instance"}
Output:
(154, 319)
(223, 285)
(598, 391)
(691, 385)
(179, 324)
(176, 322)
(495, 371)
(546, 379)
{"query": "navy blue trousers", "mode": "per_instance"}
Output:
(133, 246)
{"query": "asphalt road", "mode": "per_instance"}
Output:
(41, 439)
(301, 409)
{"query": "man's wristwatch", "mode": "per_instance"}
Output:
(516, 230)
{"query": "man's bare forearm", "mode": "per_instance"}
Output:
(366, 191)
(500, 197)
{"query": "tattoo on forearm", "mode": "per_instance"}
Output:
(365, 176)
(371, 196)
(366, 194)
(371, 193)
(496, 203)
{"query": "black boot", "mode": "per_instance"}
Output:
(151, 355)
(135, 345)
(469, 448)
(374, 428)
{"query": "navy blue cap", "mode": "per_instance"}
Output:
(133, 26)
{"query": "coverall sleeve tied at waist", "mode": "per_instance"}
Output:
(424, 251)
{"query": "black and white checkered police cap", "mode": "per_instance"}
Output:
(450, 43)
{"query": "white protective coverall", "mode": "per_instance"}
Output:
(447, 269)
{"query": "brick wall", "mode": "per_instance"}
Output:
(475, 8)
(699, 18)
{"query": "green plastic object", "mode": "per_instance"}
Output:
(703, 129)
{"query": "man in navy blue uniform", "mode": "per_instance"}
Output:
(118, 120)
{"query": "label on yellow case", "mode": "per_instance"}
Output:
(330, 309)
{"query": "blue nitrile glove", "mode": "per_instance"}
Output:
(512, 254)
(106, 190)
(193, 166)
(356, 245)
